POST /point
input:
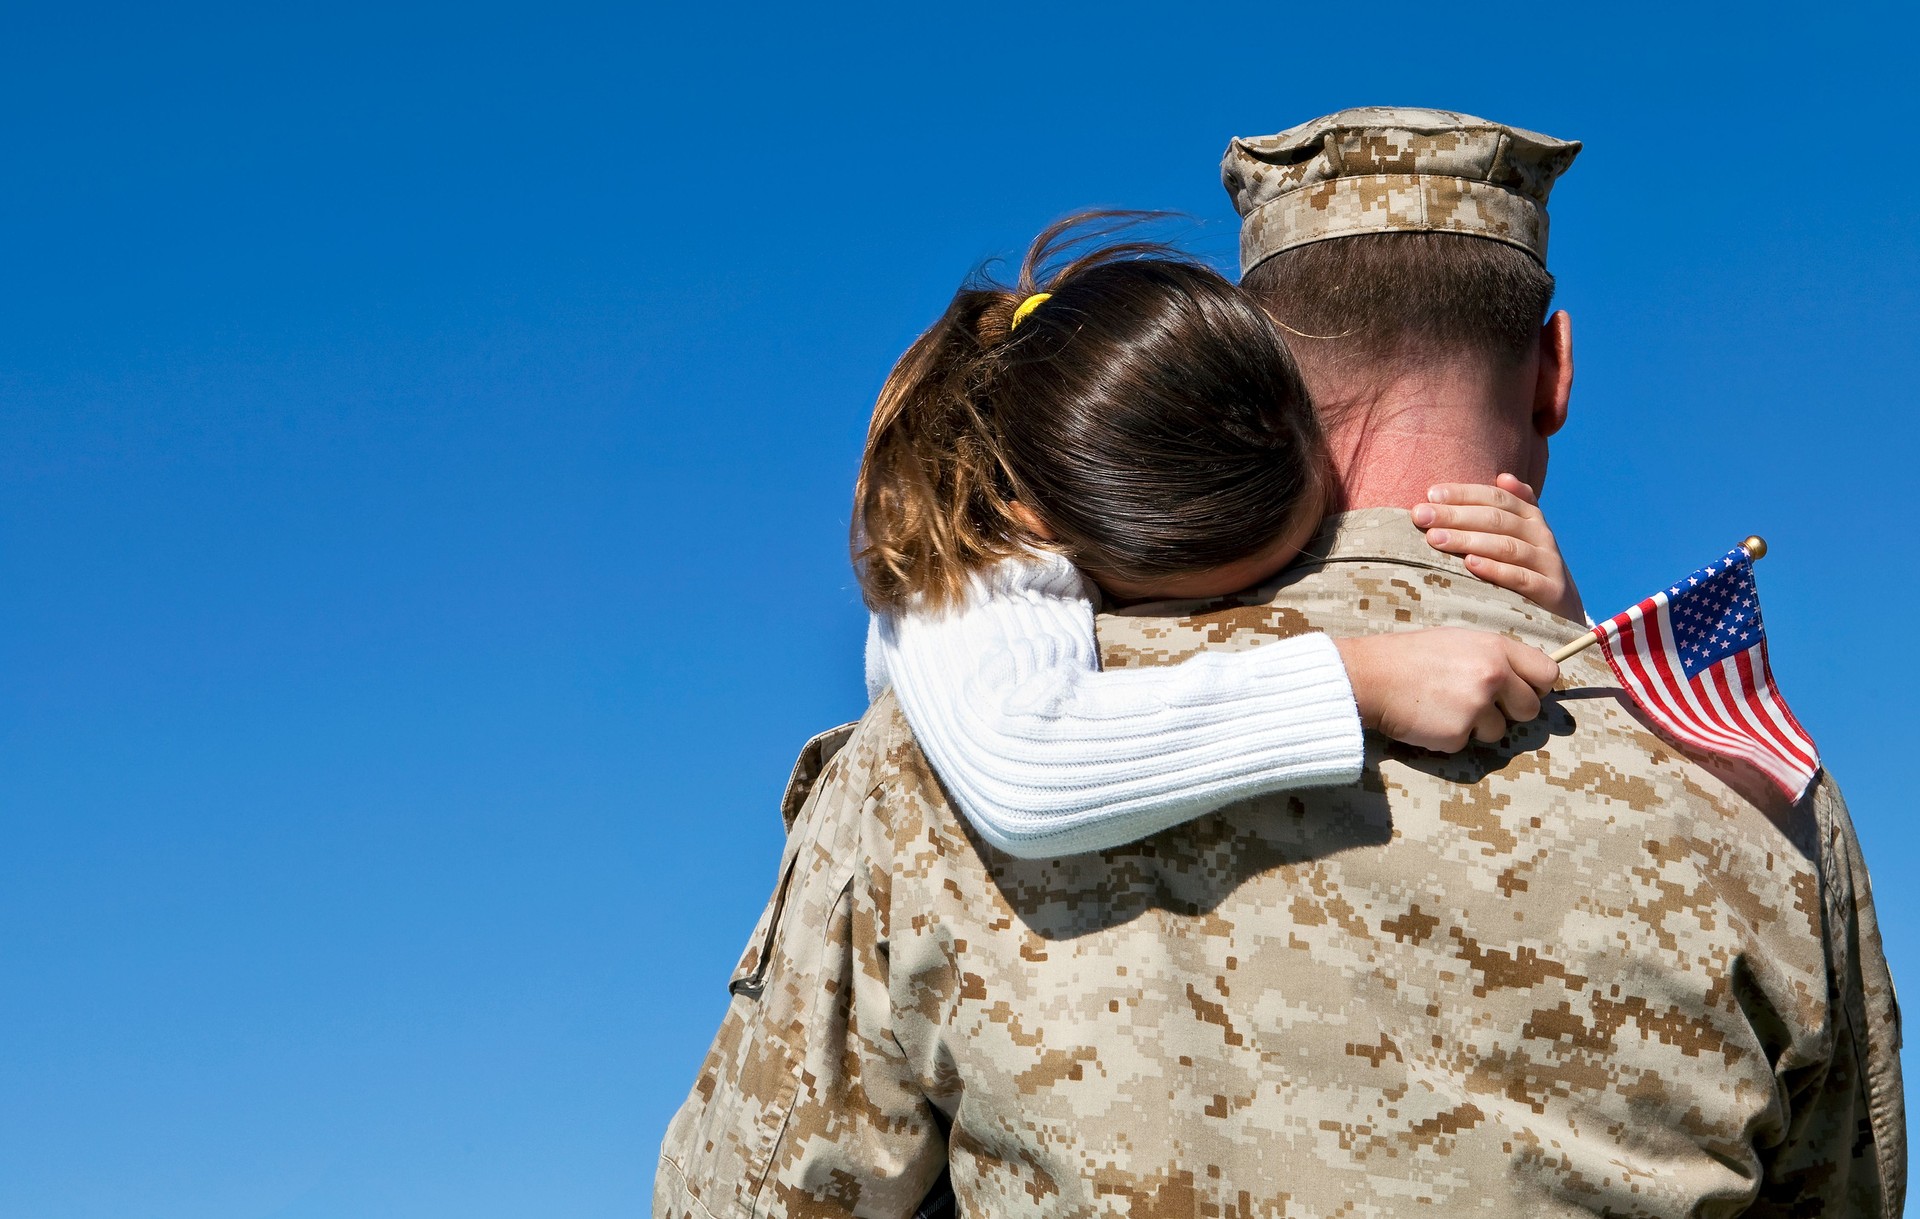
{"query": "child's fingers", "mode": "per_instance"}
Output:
(1490, 726)
(1517, 489)
(1483, 520)
(1518, 700)
(1535, 587)
(1534, 667)
(1500, 547)
(1481, 495)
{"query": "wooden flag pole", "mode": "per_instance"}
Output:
(1756, 548)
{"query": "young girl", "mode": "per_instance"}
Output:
(1137, 429)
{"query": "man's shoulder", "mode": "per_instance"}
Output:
(1588, 789)
(1366, 572)
(860, 781)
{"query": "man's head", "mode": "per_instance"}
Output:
(1404, 252)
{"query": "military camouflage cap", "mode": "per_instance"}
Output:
(1384, 169)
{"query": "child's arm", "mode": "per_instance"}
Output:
(1047, 755)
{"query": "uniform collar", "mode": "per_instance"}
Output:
(1365, 535)
(1374, 535)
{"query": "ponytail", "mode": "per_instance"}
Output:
(1139, 409)
(932, 503)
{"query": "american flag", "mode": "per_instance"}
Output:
(1695, 659)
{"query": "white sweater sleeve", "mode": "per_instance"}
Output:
(1047, 755)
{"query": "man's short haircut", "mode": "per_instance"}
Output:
(1372, 301)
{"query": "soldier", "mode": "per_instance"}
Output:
(1577, 971)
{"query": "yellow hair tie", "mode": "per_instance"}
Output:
(1028, 306)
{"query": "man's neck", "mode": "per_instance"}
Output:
(1389, 447)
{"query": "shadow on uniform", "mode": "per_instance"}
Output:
(1188, 871)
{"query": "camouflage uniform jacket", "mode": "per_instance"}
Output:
(1578, 972)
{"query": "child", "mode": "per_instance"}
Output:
(1137, 428)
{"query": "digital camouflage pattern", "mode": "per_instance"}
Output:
(1578, 972)
(1381, 169)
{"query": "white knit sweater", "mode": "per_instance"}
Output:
(1048, 755)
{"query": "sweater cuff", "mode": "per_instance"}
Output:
(1323, 707)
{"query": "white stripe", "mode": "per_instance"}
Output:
(1684, 695)
(1684, 708)
(1736, 712)
(1765, 710)
(1776, 708)
(1783, 717)
(1660, 700)
(1763, 724)
(1760, 751)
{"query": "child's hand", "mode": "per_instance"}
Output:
(1438, 688)
(1504, 539)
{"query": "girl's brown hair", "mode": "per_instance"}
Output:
(1147, 413)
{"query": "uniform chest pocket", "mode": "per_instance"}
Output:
(749, 978)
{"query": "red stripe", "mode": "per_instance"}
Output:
(1779, 703)
(1640, 655)
(1750, 740)
(1739, 717)
(1655, 695)
(1732, 708)
(1713, 685)
(1674, 675)
(1720, 716)
(1723, 712)
(1768, 696)
(1788, 771)
(1761, 751)
(1793, 741)
(1763, 726)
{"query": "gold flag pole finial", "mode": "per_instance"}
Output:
(1756, 548)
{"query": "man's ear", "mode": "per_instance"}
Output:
(1553, 386)
(1030, 520)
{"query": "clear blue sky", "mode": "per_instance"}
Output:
(426, 433)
